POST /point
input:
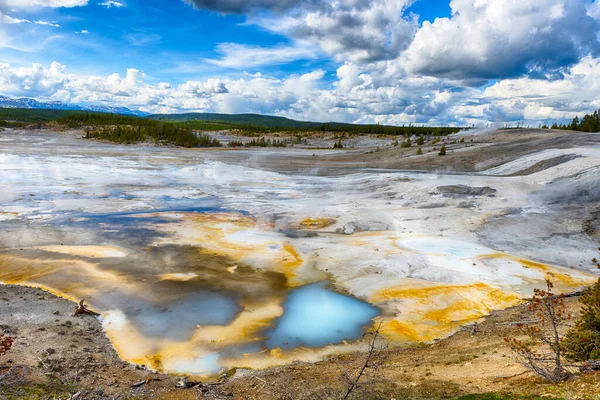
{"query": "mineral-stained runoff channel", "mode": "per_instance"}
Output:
(198, 266)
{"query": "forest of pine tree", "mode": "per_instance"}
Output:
(129, 130)
(589, 123)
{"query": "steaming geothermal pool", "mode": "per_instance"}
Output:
(199, 266)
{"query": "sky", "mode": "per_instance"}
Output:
(432, 62)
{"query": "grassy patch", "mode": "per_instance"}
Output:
(503, 396)
(34, 392)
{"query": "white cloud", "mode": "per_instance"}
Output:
(245, 6)
(43, 3)
(257, 94)
(351, 30)
(111, 3)
(6, 19)
(242, 56)
(53, 24)
(83, 32)
(141, 38)
(497, 39)
(374, 93)
(483, 39)
(594, 9)
(545, 99)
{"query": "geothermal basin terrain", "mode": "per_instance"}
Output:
(203, 261)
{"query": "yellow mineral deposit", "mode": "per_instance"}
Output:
(278, 357)
(413, 310)
(181, 277)
(426, 311)
(315, 223)
(86, 251)
(564, 279)
(70, 279)
(171, 355)
(238, 237)
(250, 321)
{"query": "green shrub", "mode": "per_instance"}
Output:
(442, 151)
(582, 342)
(262, 142)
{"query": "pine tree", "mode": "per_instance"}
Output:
(442, 151)
(574, 124)
(582, 342)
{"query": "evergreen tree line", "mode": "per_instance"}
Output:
(377, 129)
(589, 123)
(128, 130)
(164, 133)
(11, 124)
(262, 142)
(406, 131)
(79, 119)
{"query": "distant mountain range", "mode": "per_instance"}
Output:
(24, 102)
(30, 110)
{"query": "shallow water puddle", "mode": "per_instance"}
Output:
(315, 317)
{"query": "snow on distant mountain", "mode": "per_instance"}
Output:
(24, 102)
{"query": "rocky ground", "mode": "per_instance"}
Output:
(61, 356)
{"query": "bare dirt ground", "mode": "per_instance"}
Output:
(483, 152)
(58, 355)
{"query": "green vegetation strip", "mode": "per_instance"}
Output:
(182, 129)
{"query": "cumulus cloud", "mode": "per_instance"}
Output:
(352, 30)
(251, 94)
(498, 39)
(349, 30)
(483, 39)
(542, 99)
(378, 92)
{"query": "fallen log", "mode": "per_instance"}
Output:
(144, 382)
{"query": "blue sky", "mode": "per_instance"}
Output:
(387, 61)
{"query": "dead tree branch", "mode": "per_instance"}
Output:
(81, 308)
